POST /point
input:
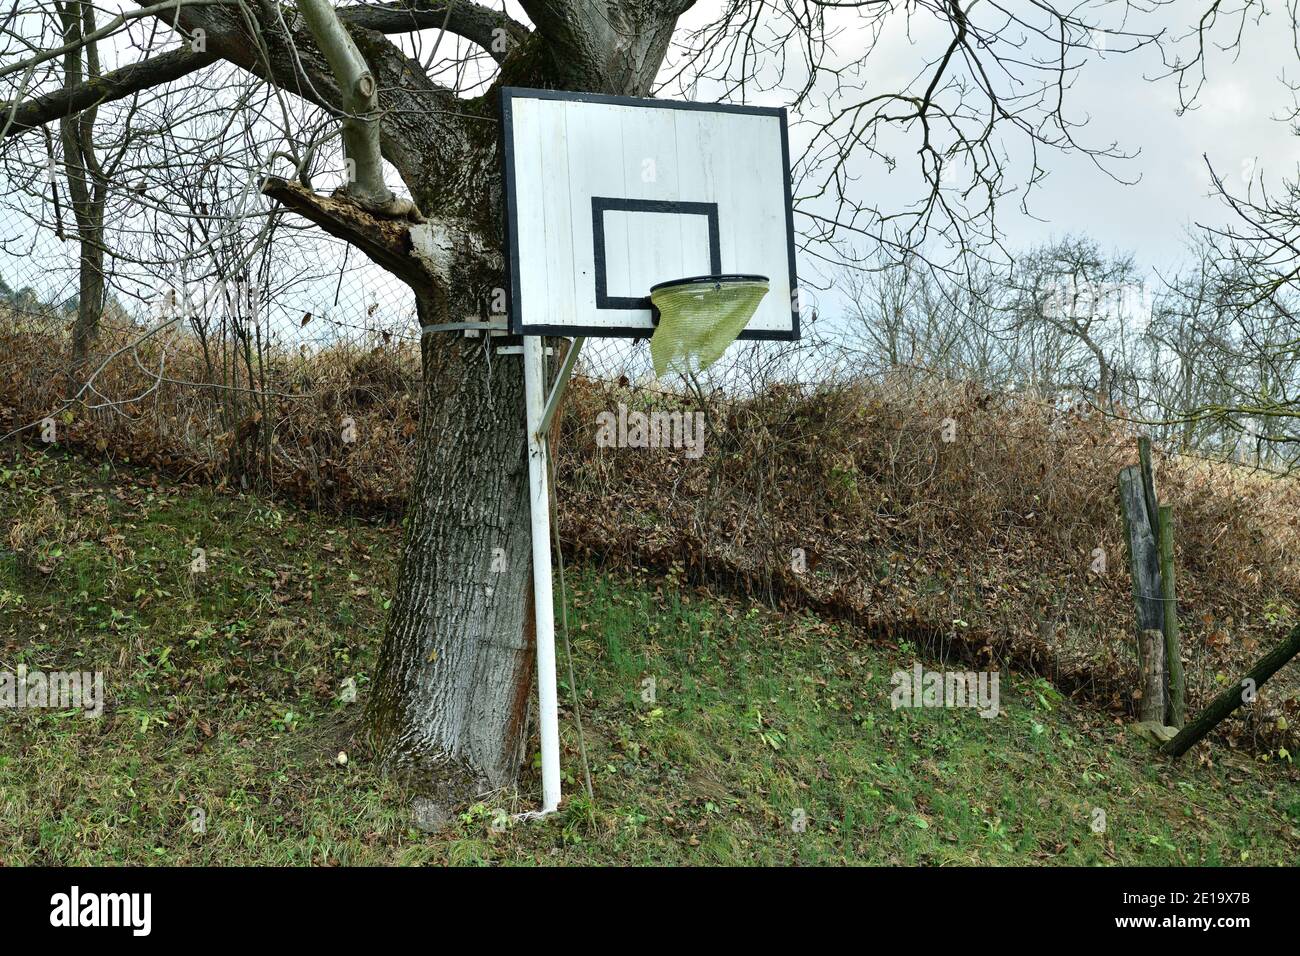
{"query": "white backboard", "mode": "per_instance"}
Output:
(607, 196)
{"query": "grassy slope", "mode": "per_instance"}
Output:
(223, 696)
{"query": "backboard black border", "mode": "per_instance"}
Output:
(511, 93)
(603, 204)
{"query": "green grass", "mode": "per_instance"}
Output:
(224, 698)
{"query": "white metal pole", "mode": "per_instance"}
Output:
(543, 606)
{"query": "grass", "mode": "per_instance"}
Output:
(713, 726)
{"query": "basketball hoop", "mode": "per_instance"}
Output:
(698, 317)
(588, 233)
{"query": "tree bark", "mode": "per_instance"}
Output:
(451, 692)
(87, 187)
(89, 216)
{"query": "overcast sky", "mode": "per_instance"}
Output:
(1235, 125)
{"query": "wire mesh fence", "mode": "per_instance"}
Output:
(257, 350)
(952, 513)
(246, 315)
(248, 351)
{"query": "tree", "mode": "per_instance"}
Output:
(1250, 264)
(908, 319)
(86, 178)
(449, 700)
(1074, 289)
(1187, 323)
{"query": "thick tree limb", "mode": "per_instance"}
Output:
(493, 31)
(475, 23)
(1234, 696)
(430, 256)
(365, 166)
(423, 129)
(608, 46)
(117, 84)
(386, 241)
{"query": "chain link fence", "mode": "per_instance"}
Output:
(944, 512)
(258, 354)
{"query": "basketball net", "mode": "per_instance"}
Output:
(697, 321)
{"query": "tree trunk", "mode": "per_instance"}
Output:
(90, 290)
(451, 693)
(86, 186)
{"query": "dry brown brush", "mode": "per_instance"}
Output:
(936, 515)
(966, 523)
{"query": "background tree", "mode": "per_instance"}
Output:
(1249, 265)
(1075, 290)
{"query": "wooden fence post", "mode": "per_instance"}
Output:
(1173, 644)
(1152, 677)
(1149, 528)
(1144, 559)
(1148, 478)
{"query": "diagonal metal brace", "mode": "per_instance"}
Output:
(561, 381)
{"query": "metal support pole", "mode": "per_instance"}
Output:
(543, 606)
